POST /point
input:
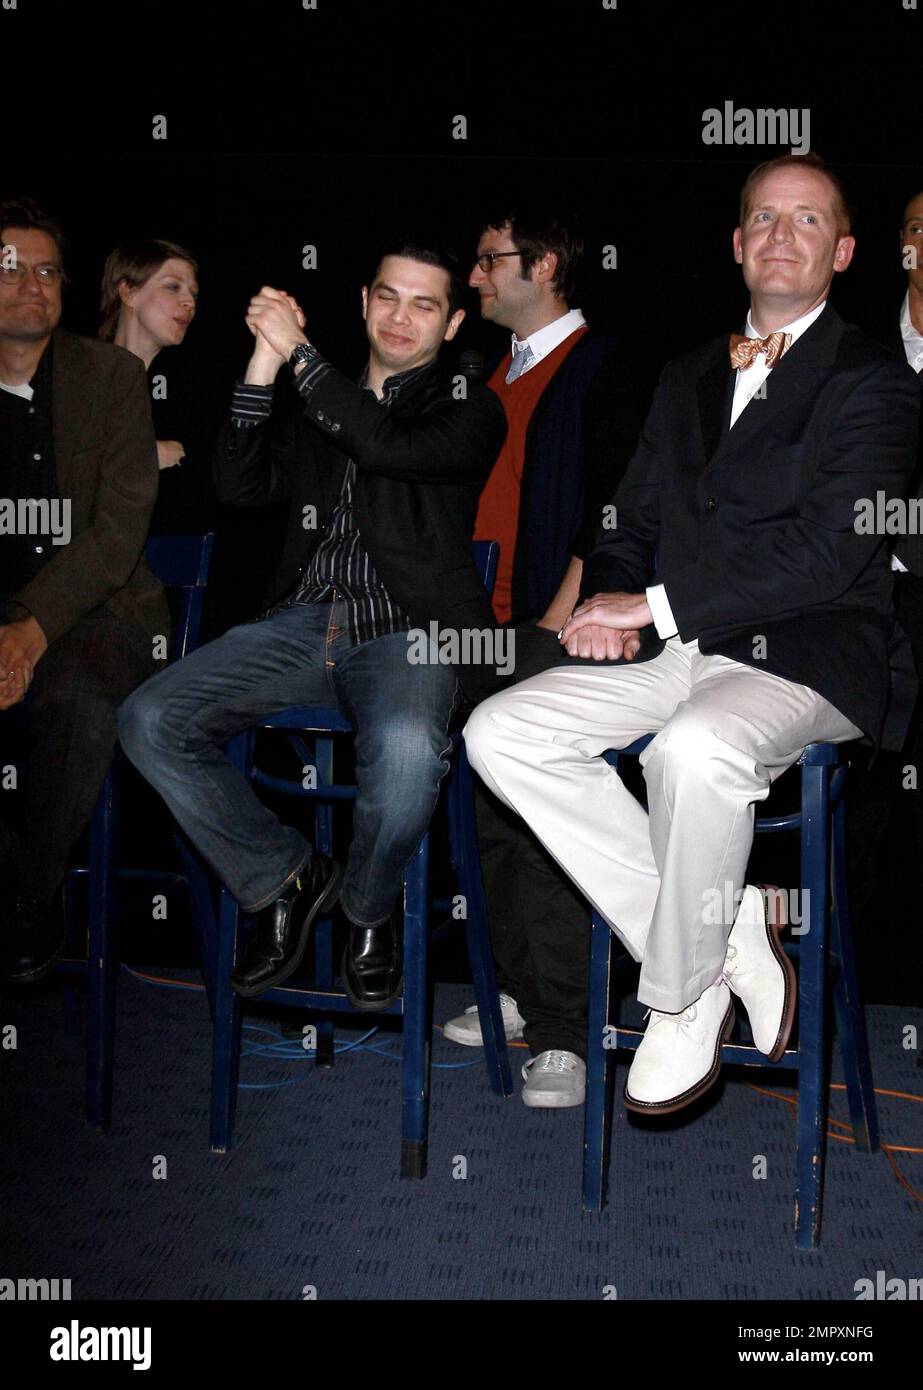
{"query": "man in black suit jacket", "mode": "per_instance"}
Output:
(761, 614)
(80, 611)
(880, 785)
(383, 479)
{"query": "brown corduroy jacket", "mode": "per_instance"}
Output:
(106, 465)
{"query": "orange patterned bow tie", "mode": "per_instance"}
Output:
(744, 350)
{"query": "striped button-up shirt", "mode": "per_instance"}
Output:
(340, 567)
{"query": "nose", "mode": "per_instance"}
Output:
(477, 276)
(782, 229)
(400, 312)
(30, 281)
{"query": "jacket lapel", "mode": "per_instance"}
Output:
(805, 363)
(69, 367)
(715, 392)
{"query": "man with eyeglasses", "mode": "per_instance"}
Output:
(79, 609)
(573, 404)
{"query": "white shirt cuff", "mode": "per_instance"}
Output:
(661, 611)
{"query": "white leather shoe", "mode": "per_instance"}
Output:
(758, 970)
(554, 1080)
(466, 1028)
(679, 1056)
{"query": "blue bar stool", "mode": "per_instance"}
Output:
(821, 822)
(180, 562)
(414, 1004)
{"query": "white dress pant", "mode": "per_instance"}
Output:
(724, 733)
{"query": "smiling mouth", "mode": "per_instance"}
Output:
(394, 337)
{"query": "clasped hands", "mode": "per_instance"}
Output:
(606, 627)
(276, 321)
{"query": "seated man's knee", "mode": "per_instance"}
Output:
(688, 744)
(405, 751)
(482, 731)
(141, 721)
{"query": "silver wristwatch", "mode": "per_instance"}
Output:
(302, 353)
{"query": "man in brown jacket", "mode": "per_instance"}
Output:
(80, 612)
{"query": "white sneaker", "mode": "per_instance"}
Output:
(679, 1056)
(554, 1080)
(758, 970)
(466, 1029)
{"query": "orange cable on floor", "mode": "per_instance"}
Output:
(849, 1138)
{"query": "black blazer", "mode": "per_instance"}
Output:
(420, 465)
(909, 549)
(753, 527)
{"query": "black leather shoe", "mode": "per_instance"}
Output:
(372, 970)
(31, 940)
(283, 929)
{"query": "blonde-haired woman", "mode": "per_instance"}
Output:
(148, 300)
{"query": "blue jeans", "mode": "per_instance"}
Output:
(174, 726)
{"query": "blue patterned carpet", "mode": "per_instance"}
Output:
(310, 1194)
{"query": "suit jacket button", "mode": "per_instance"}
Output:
(710, 504)
(334, 428)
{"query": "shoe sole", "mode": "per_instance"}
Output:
(773, 931)
(550, 1101)
(667, 1107)
(326, 900)
(466, 1039)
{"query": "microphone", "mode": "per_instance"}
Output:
(471, 364)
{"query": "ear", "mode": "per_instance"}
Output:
(126, 292)
(453, 325)
(844, 252)
(738, 252)
(365, 301)
(544, 270)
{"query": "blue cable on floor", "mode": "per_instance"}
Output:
(287, 1049)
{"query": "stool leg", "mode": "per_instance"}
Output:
(226, 1005)
(323, 928)
(464, 853)
(850, 1021)
(202, 912)
(225, 1028)
(101, 905)
(415, 1047)
(597, 1120)
(69, 996)
(812, 1079)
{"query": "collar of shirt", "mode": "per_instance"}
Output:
(393, 385)
(40, 379)
(545, 340)
(913, 338)
(796, 327)
(749, 381)
(25, 390)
